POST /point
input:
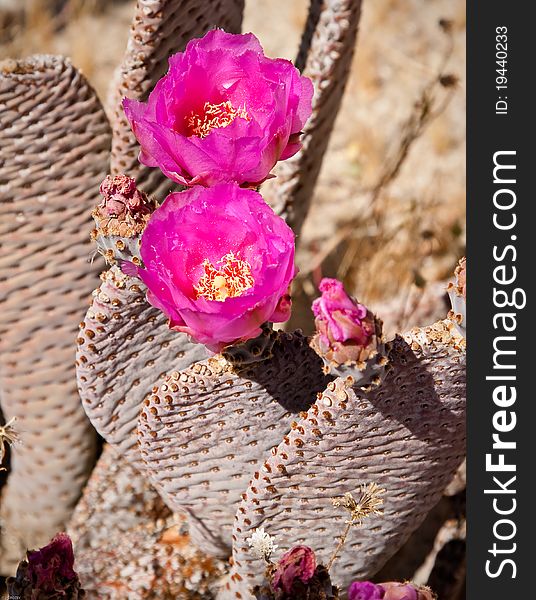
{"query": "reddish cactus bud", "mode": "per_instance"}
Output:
(47, 573)
(121, 218)
(348, 334)
(395, 590)
(120, 194)
(298, 564)
(365, 590)
(124, 210)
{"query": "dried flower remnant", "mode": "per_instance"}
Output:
(124, 210)
(218, 262)
(8, 435)
(299, 563)
(47, 573)
(368, 503)
(296, 576)
(223, 112)
(262, 544)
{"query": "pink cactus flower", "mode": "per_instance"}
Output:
(365, 590)
(218, 262)
(223, 112)
(341, 313)
(298, 564)
(393, 590)
(346, 331)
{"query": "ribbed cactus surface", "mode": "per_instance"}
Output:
(205, 430)
(54, 150)
(124, 347)
(406, 434)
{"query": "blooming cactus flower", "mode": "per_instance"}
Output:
(223, 112)
(346, 331)
(299, 563)
(218, 262)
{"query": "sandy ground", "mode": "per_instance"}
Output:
(419, 234)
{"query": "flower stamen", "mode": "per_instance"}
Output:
(232, 279)
(213, 116)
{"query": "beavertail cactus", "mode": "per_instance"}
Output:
(54, 149)
(261, 434)
(242, 414)
(405, 433)
(252, 436)
(112, 376)
(54, 145)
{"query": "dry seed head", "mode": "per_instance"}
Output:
(368, 503)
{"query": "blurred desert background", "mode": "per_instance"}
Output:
(388, 216)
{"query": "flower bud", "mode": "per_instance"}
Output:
(299, 563)
(365, 590)
(120, 219)
(348, 334)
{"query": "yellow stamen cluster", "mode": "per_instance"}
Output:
(232, 279)
(213, 116)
